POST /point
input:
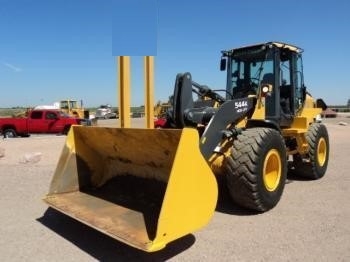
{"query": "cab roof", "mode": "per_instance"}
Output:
(281, 45)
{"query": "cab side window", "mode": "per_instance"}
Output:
(50, 115)
(37, 115)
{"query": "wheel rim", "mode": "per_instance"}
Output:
(9, 135)
(321, 151)
(272, 170)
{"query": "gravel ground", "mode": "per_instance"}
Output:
(311, 222)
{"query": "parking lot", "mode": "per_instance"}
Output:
(310, 223)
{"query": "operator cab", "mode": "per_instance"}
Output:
(271, 71)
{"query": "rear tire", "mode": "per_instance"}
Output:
(257, 168)
(9, 133)
(314, 164)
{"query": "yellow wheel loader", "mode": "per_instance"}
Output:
(148, 187)
(72, 108)
(160, 109)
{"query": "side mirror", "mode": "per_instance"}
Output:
(321, 104)
(222, 64)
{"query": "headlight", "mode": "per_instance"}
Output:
(318, 118)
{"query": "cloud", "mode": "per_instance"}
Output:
(14, 68)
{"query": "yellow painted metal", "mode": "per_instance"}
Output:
(303, 145)
(310, 113)
(124, 86)
(160, 109)
(72, 108)
(321, 151)
(300, 125)
(259, 111)
(149, 90)
(192, 191)
(144, 187)
(302, 121)
(309, 102)
(272, 170)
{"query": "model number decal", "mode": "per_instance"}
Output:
(241, 106)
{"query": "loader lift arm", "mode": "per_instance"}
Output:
(185, 113)
(216, 119)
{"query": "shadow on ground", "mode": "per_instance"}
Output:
(103, 247)
(225, 203)
(292, 176)
(227, 206)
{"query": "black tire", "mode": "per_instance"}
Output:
(256, 168)
(314, 164)
(66, 130)
(9, 133)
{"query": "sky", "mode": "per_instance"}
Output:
(53, 50)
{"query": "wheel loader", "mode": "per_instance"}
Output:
(147, 187)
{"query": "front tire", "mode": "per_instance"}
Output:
(256, 169)
(314, 164)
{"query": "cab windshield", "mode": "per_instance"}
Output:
(248, 70)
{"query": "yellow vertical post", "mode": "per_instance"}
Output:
(149, 90)
(124, 90)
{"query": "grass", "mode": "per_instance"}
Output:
(9, 112)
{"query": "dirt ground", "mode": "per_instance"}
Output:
(310, 223)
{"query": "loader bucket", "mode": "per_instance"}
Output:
(144, 187)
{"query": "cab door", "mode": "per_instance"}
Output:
(53, 122)
(36, 122)
(299, 88)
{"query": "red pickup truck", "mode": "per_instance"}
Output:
(38, 121)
